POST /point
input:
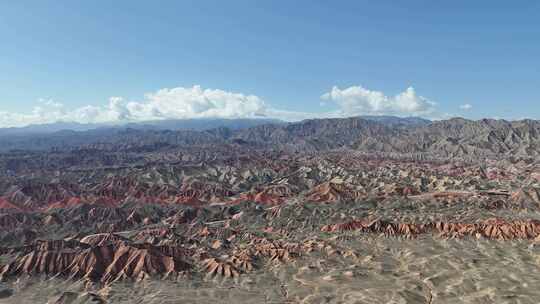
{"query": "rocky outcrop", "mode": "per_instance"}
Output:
(102, 239)
(101, 264)
(332, 192)
(491, 228)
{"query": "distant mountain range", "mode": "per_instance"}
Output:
(171, 124)
(458, 137)
(182, 124)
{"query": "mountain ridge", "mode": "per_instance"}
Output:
(456, 137)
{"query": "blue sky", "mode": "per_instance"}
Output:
(62, 60)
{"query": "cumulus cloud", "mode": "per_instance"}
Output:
(357, 100)
(45, 112)
(196, 102)
(465, 107)
(176, 103)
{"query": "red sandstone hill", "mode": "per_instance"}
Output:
(104, 264)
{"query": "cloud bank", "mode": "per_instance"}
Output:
(357, 100)
(196, 102)
(176, 103)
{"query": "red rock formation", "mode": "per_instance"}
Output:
(66, 203)
(276, 251)
(219, 267)
(332, 192)
(273, 195)
(102, 239)
(491, 228)
(243, 260)
(104, 264)
(6, 206)
(376, 226)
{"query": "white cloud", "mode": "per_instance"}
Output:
(196, 102)
(357, 100)
(176, 103)
(465, 107)
(46, 111)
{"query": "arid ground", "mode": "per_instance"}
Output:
(277, 214)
